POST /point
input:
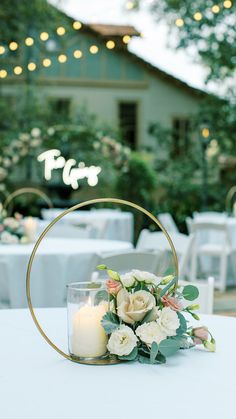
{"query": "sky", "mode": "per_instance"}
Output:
(152, 47)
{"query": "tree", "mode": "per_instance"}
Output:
(207, 26)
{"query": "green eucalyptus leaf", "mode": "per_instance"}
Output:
(132, 356)
(144, 360)
(154, 352)
(190, 292)
(149, 316)
(101, 296)
(183, 324)
(160, 358)
(171, 283)
(169, 347)
(110, 322)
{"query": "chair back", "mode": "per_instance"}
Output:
(125, 262)
(185, 259)
(157, 241)
(189, 223)
(206, 295)
(168, 222)
(210, 232)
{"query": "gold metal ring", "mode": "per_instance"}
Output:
(229, 197)
(22, 191)
(75, 207)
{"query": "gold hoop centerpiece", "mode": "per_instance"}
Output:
(105, 361)
(22, 191)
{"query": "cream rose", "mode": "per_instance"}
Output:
(143, 276)
(168, 321)
(132, 308)
(150, 332)
(122, 341)
(127, 279)
(8, 238)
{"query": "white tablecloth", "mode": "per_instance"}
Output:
(57, 262)
(118, 224)
(36, 383)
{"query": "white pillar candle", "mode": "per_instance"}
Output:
(88, 336)
(30, 228)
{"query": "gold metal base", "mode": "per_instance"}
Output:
(106, 360)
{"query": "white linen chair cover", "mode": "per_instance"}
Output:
(168, 222)
(206, 245)
(206, 295)
(126, 261)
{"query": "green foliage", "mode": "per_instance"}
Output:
(190, 292)
(110, 322)
(169, 347)
(213, 35)
(183, 324)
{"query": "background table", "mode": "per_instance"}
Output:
(118, 225)
(35, 382)
(57, 262)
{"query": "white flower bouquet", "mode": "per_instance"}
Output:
(12, 229)
(146, 321)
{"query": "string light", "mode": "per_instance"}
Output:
(205, 132)
(61, 31)
(29, 41)
(62, 58)
(129, 5)
(110, 44)
(227, 4)
(47, 62)
(126, 39)
(179, 22)
(215, 8)
(77, 25)
(93, 49)
(197, 16)
(18, 70)
(13, 46)
(31, 66)
(2, 50)
(3, 74)
(44, 36)
(77, 53)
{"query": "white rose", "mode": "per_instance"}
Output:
(122, 341)
(8, 238)
(35, 132)
(150, 332)
(168, 321)
(51, 131)
(127, 279)
(132, 308)
(11, 222)
(144, 276)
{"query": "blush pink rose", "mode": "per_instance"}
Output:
(113, 287)
(172, 302)
(200, 334)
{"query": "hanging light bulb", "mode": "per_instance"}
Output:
(61, 31)
(179, 22)
(31, 66)
(197, 16)
(93, 49)
(44, 36)
(126, 39)
(2, 49)
(110, 44)
(18, 70)
(3, 74)
(47, 62)
(62, 58)
(77, 25)
(78, 54)
(13, 46)
(29, 41)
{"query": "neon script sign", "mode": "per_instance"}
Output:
(72, 172)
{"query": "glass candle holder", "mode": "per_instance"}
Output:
(87, 303)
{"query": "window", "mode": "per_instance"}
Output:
(60, 107)
(181, 133)
(128, 122)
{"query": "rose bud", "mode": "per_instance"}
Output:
(113, 287)
(200, 335)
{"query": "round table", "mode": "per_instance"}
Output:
(57, 262)
(116, 225)
(36, 382)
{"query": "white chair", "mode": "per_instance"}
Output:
(124, 262)
(168, 222)
(157, 241)
(68, 231)
(211, 240)
(185, 260)
(209, 215)
(4, 289)
(206, 295)
(189, 223)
